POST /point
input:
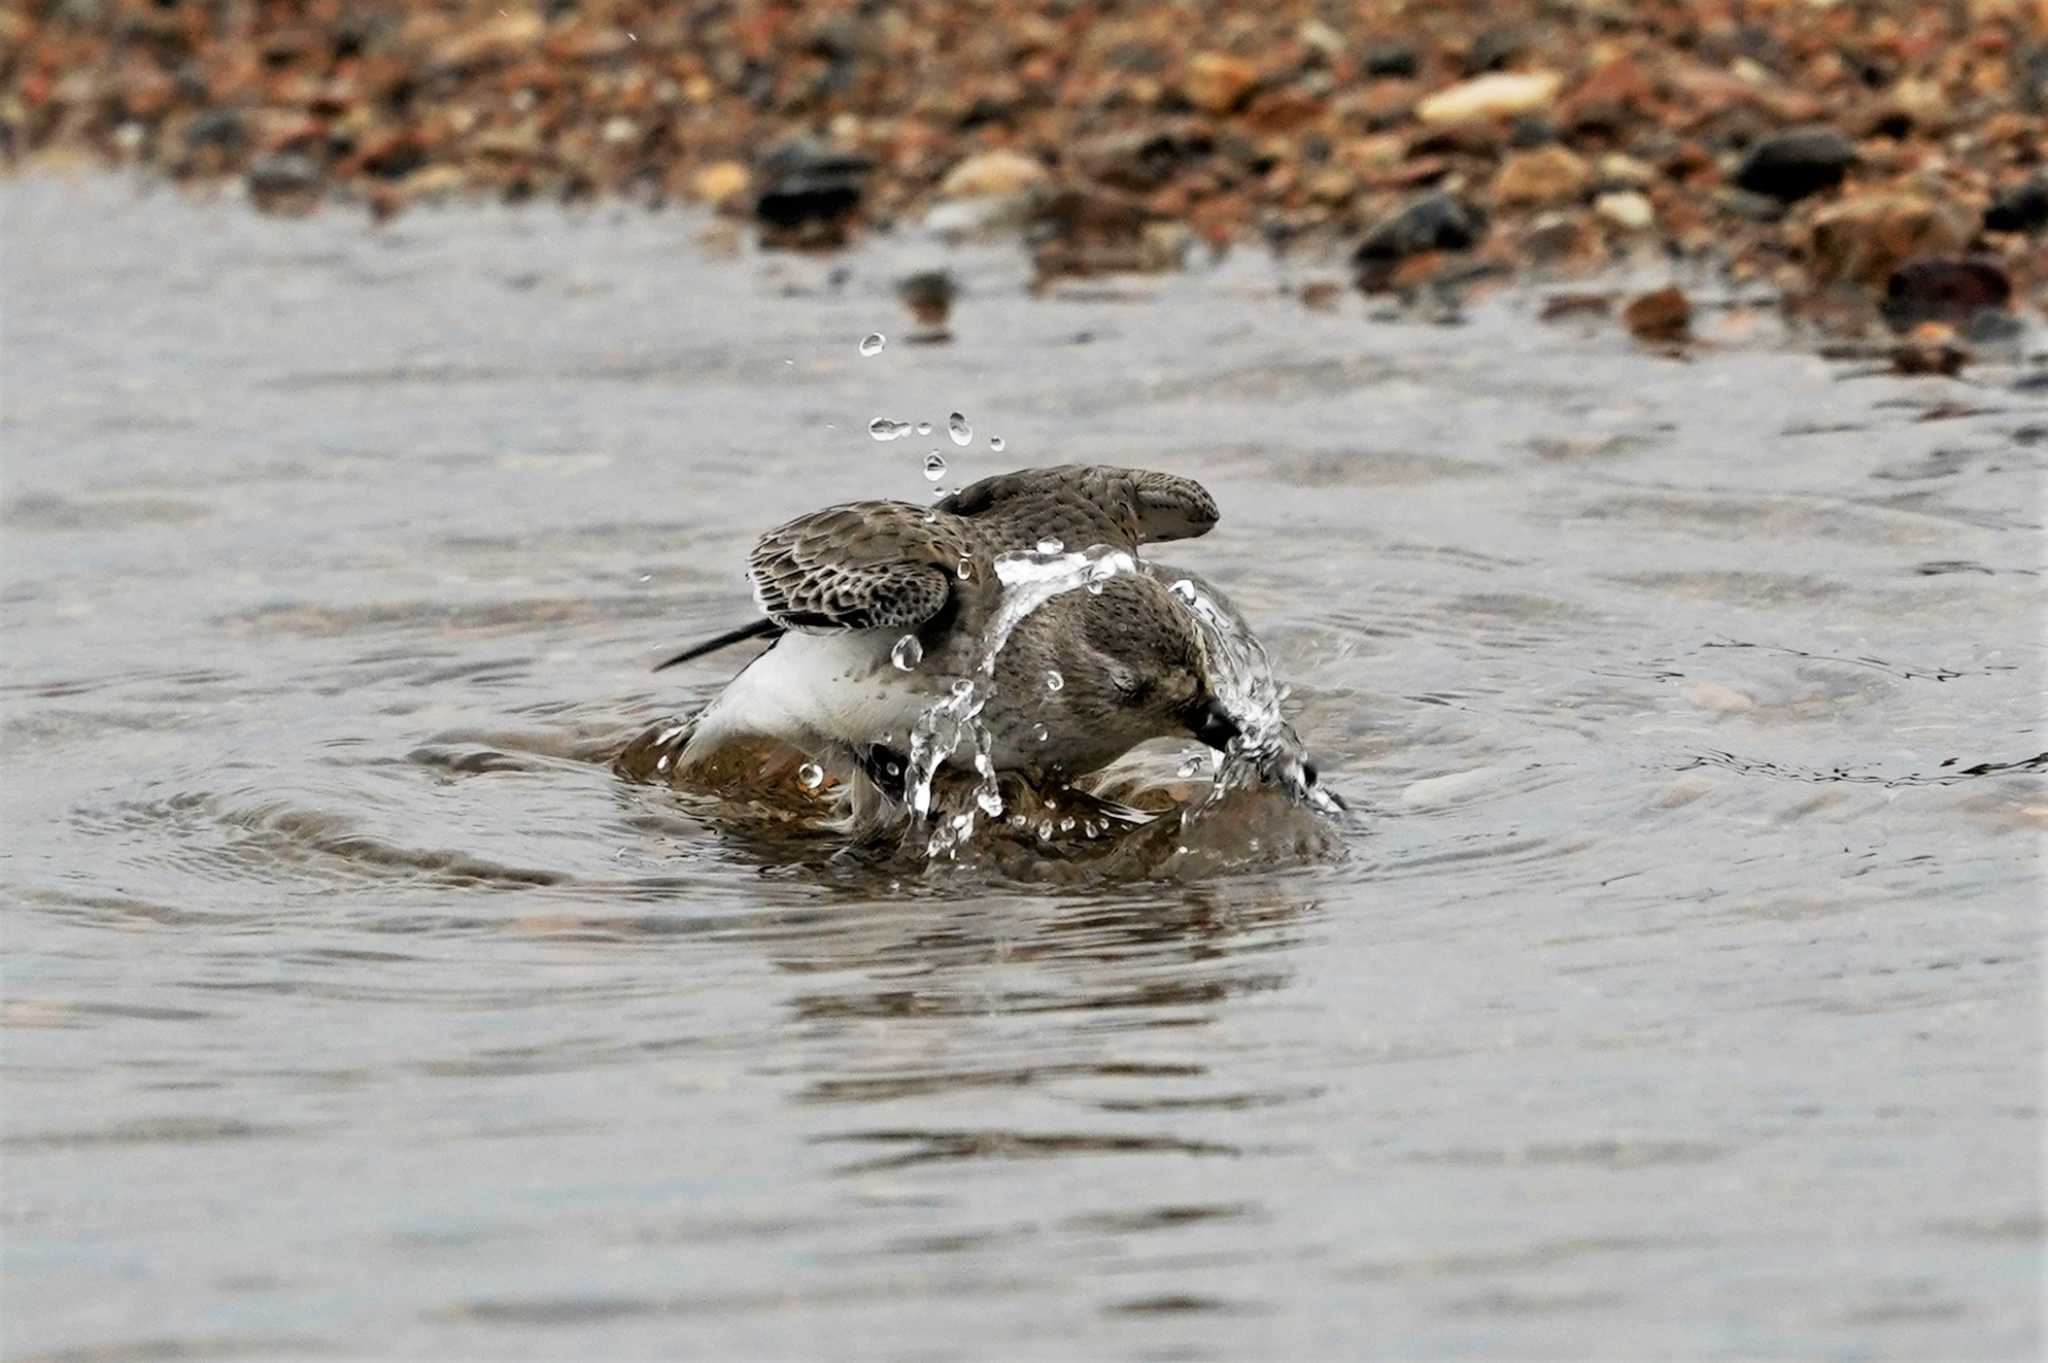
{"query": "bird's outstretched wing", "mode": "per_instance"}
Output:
(864, 565)
(1085, 504)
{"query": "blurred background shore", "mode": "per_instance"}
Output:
(1866, 163)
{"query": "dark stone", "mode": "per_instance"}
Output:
(1145, 159)
(1495, 48)
(1791, 165)
(2021, 208)
(1943, 289)
(805, 185)
(1531, 130)
(1432, 222)
(222, 128)
(1395, 60)
(283, 173)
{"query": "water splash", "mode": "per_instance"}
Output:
(872, 343)
(1240, 676)
(1029, 579)
(907, 654)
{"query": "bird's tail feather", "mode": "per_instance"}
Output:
(758, 629)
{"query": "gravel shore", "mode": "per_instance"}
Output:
(1878, 164)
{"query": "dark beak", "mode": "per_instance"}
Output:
(1212, 724)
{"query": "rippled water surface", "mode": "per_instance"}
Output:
(1675, 991)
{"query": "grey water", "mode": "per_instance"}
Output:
(1674, 990)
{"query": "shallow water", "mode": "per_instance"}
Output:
(1676, 992)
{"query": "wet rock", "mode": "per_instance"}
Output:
(1931, 348)
(2020, 208)
(1622, 171)
(1433, 222)
(929, 295)
(284, 182)
(1545, 177)
(810, 190)
(1626, 209)
(1792, 165)
(1216, 83)
(1863, 240)
(721, 182)
(1320, 295)
(1390, 60)
(992, 174)
(1145, 160)
(1661, 316)
(1558, 238)
(1495, 48)
(1716, 698)
(1501, 95)
(1946, 290)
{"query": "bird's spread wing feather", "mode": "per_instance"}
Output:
(866, 565)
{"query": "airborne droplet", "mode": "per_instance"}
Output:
(908, 653)
(1054, 681)
(995, 442)
(924, 428)
(810, 776)
(991, 803)
(881, 428)
(872, 343)
(1040, 732)
(934, 466)
(957, 427)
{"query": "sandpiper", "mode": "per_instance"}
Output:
(878, 609)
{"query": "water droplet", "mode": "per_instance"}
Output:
(962, 822)
(666, 758)
(963, 688)
(810, 776)
(1054, 681)
(957, 427)
(1184, 589)
(1040, 732)
(935, 466)
(1049, 545)
(881, 428)
(1067, 824)
(872, 343)
(1191, 766)
(924, 428)
(967, 570)
(984, 764)
(1045, 828)
(647, 577)
(907, 654)
(938, 493)
(990, 802)
(995, 442)
(1016, 821)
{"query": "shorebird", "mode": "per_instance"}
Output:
(875, 610)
